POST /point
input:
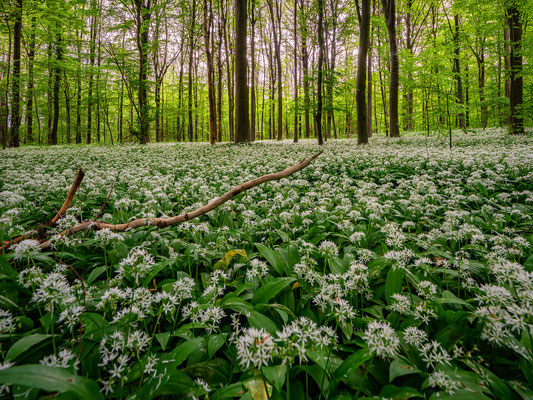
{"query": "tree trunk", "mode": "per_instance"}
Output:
(295, 44)
(208, 22)
(276, 30)
(389, 8)
(457, 72)
(14, 137)
(57, 80)
(514, 21)
(242, 121)
(360, 90)
(30, 88)
(229, 74)
(318, 114)
(142, 38)
(305, 67)
(252, 75)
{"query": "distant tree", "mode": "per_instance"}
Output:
(14, 137)
(362, 55)
(514, 21)
(389, 9)
(242, 120)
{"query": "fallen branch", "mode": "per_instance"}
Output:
(68, 201)
(164, 222)
(39, 231)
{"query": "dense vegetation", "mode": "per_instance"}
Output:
(401, 269)
(108, 71)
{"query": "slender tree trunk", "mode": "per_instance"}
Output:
(369, 90)
(362, 54)
(219, 81)
(208, 22)
(242, 120)
(142, 37)
(389, 7)
(229, 74)
(97, 89)
(457, 71)
(514, 20)
(276, 30)
(30, 88)
(305, 67)
(318, 114)
(92, 47)
(190, 72)
(252, 74)
(66, 89)
(295, 45)
(14, 138)
(57, 80)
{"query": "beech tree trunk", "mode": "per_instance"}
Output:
(57, 80)
(30, 88)
(514, 20)
(242, 120)
(14, 137)
(208, 22)
(318, 114)
(360, 90)
(389, 9)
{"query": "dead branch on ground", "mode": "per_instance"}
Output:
(164, 222)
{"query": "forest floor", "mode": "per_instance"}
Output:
(398, 269)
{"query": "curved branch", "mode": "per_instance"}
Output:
(164, 222)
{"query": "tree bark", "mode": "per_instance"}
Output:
(252, 74)
(318, 114)
(276, 30)
(457, 72)
(31, 79)
(57, 80)
(143, 15)
(208, 22)
(295, 45)
(360, 90)
(242, 120)
(14, 137)
(514, 20)
(389, 8)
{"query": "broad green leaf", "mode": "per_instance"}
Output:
(51, 379)
(276, 375)
(215, 342)
(271, 289)
(400, 368)
(258, 320)
(273, 257)
(163, 339)
(95, 273)
(24, 344)
(352, 362)
(394, 281)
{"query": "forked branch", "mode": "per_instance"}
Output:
(164, 222)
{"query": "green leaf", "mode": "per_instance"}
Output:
(272, 256)
(400, 368)
(399, 393)
(225, 261)
(215, 342)
(258, 320)
(8, 303)
(51, 379)
(271, 289)
(163, 339)
(95, 273)
(394, 281)
(275, 375)
(25, 344)
(352, 362)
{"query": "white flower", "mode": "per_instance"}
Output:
(443, 381)
(26, 249)
(7, 322)
(255, 348)
(382, 339)
(329, 248)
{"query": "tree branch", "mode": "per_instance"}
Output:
(68, 201)
(164, 222)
